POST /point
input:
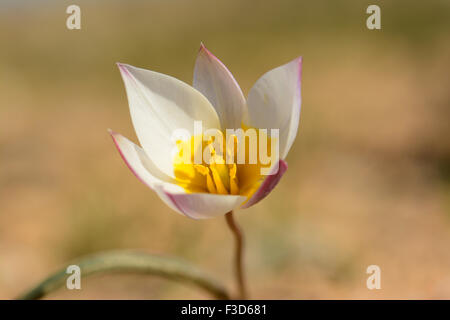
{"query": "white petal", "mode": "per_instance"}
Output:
(198, 205)
(274, 103)
(192, 205)
(216, 82)
(159, 105)
(138, 162)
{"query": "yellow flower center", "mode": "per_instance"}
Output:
(215, 165)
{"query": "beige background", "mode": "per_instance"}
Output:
(369, 174)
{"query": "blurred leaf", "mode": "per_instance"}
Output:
(132, 262)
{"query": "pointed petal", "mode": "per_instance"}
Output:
(199, 205)
(216, 82)
(159, 105)
(138, 162)
(274, 103)
(268, 184)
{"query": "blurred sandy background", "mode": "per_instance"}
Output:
(369, 174)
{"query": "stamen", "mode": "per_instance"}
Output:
(209, 180)
(214, 174)
(234, 184)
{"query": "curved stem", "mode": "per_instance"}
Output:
(239, 268)
(131, 262)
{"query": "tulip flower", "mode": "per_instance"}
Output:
(232, 175)
(160, 104)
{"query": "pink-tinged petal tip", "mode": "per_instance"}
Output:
(204, 51)
(267, 185)
(123, 68)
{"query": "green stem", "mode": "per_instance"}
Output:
(239, 265)
(131, 262)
